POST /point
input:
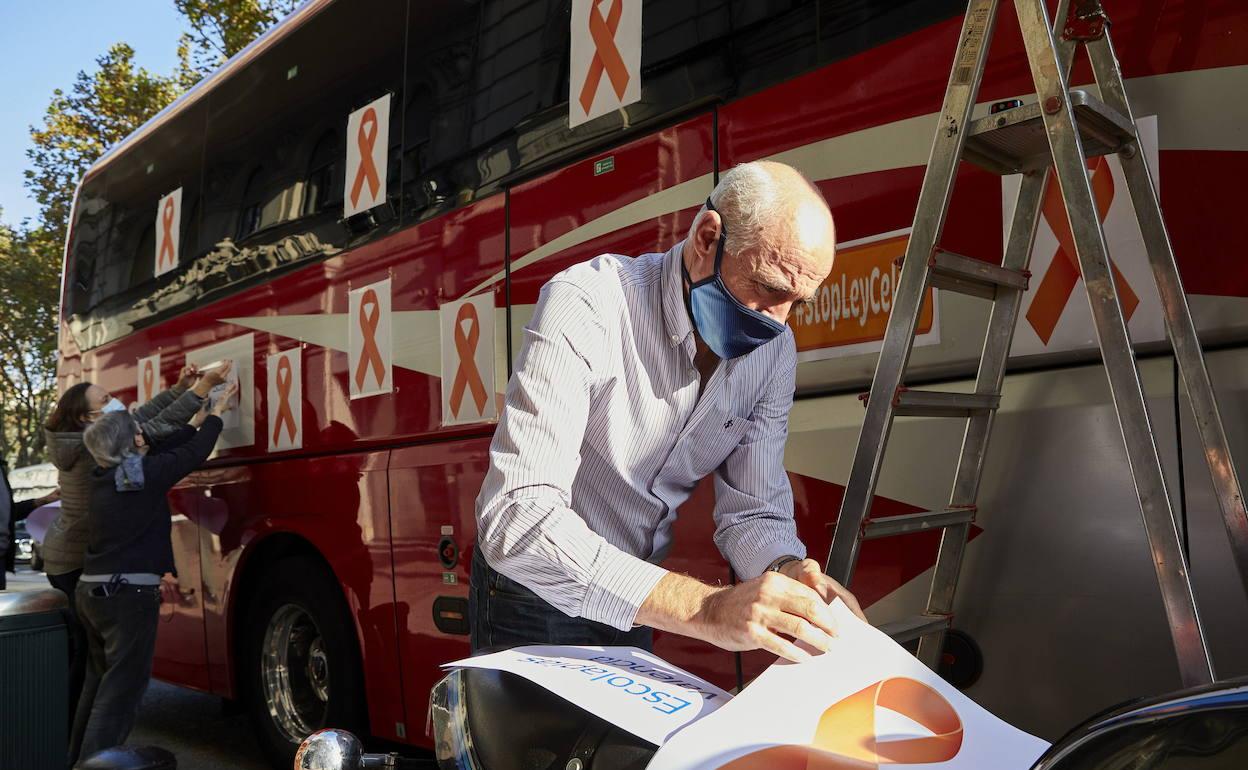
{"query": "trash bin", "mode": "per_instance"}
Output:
(34, 672)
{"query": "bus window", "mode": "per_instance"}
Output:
(276, 150)
(439, 169)
(113, 242)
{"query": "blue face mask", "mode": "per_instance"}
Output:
(728, 328)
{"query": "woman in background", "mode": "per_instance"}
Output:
(128, 567)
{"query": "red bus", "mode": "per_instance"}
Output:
(324, 584)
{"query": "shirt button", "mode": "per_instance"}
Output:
(675, 339)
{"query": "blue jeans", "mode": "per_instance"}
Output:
(503, 614)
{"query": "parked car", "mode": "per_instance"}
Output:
(24, 544)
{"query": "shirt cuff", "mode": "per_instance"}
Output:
(754, 559)
(619, 588)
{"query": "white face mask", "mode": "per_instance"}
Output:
(113, 406)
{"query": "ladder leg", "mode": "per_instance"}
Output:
(908, 298)
(992, 361)
(1178, 315)
(1126, 388)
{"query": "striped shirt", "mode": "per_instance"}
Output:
(604, 435)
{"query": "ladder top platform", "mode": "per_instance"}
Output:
(1013, 141)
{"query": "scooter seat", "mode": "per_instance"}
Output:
(514, 724)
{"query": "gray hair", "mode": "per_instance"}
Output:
(110, 438)
(751, 201)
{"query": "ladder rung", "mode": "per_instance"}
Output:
(923, 521)
(930, 403)
(906, 629)
(954, 272)
(1013, 141)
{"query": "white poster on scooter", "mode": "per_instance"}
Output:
(864, 703)
(628, 687)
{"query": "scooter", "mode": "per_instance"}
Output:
(493, 720)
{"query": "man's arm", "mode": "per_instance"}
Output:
(526, 528)
(753, 498)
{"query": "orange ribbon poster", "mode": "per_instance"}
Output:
(1058, 283)
(605, 57)
(168, 221)
(468, 360)
(865, 704)
(285, 400)
(848, 739)
(1056, 316)
(849, 312)
(368, 141)
(149, 378)
(368, 340)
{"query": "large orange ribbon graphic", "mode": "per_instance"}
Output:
(166, 231)
(370, 355)
(847, 738)
(285, 380)
(467, 377)
(149, 380)
(607, 56)
(1059, 280)
(365, 138)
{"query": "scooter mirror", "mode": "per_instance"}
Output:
(330, 749)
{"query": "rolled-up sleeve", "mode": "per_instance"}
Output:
(754, 523)
(526, 527)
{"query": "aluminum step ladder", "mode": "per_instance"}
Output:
(1060, 131)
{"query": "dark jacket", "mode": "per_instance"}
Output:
(130, 531)
(66, 541)
(17, 512)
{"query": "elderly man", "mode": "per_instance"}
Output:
(638, 377)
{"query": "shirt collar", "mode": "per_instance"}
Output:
(672, 284)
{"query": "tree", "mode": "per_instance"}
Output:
(220, 29)
(100, 110)
(29, 264)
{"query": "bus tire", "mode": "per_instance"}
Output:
(302, 659)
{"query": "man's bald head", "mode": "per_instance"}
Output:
(781, 240)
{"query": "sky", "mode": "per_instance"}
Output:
(43, 46)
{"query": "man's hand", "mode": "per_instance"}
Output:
(187, 376)
(50, 497)
(756, 614)
(222, 404)
(169, 589)
(808, 572)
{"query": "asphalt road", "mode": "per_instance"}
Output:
(190, 724)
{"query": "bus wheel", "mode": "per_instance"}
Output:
(303, 670)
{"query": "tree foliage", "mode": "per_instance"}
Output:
(220, 29)
(29, 267)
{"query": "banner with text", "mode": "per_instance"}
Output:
(849, 312)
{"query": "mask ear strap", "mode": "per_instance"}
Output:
(723, 238)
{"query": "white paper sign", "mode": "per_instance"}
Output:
(368, 142)
(168, 225)
(605, 58)
(285, 400)
(239, 423)
(149, 378)
(468, 360)
(1055, 314)
(865, 703)
(368, 340)
(625, 686)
